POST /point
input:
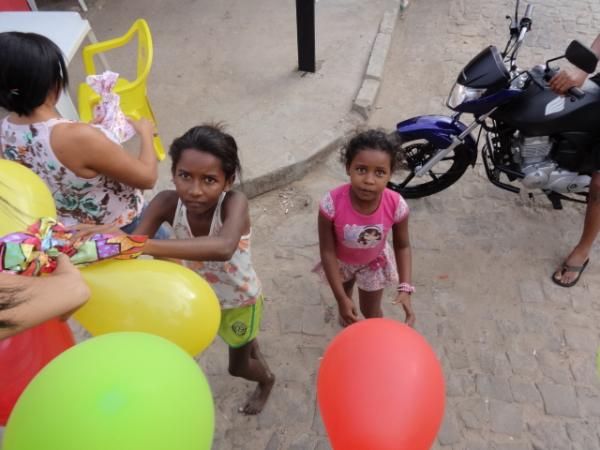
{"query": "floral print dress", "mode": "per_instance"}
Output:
(234, 281)
(98, 200)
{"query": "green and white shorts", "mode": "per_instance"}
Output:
(240, 325)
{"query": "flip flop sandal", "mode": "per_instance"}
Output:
(566, 268)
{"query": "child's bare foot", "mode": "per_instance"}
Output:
(259, 397)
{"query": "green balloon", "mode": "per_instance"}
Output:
(120, 391)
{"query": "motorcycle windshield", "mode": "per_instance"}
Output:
(485, 71)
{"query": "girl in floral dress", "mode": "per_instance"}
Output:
(212, 226)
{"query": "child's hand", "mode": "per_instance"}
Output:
(348, 313)
(83, 232)
(403, 298)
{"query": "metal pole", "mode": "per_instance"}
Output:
(305, 25)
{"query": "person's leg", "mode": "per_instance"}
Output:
(591, 227)
(248, 362)
(349, 287)
(370, 303)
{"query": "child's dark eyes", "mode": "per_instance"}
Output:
(186, 176)
(378, 172)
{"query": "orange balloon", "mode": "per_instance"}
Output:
(380, 386)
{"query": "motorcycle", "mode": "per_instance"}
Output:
(529, 134)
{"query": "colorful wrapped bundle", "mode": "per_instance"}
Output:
(33, 252)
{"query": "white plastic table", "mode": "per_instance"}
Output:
(65, 29)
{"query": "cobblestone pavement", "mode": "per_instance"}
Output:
(518, 353)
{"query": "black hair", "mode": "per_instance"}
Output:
(211, 139)
(31, 66)
(375, 139)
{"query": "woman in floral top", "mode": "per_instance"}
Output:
(92, 179)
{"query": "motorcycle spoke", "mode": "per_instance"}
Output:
(446, 171)
(407, 180)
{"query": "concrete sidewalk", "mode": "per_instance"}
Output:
(236, 62)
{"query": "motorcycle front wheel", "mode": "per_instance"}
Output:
(443, 174)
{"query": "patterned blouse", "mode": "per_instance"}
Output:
(99, 200)
(234, 281)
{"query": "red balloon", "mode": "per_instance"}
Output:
(23, 355)
(380, 386)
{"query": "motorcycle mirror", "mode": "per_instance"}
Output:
(581, 56)
(517, 11)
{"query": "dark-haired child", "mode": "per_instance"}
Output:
(212, 228)
(354, 221)
(92, 179)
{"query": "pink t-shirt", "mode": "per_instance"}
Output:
(361, 238)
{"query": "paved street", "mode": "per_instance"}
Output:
(518, 352)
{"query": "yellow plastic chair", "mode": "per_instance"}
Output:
(134, 98)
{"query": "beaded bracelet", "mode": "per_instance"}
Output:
(405, 287)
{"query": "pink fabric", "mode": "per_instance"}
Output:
(373, 276)
(361, 238)
(107, 113)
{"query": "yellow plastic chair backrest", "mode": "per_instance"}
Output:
(144, 55)
(134, 99)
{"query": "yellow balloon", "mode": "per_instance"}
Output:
(24, 198)
(151, 296)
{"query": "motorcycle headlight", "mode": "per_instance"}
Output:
(461, 94)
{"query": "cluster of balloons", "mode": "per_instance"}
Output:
(380, 386)
(121, 391)
(102, 393)
(151, 296)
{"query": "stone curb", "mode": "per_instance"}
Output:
(367, 94)
(334, 138)
(329, 141)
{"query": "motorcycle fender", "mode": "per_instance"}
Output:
(438, 130)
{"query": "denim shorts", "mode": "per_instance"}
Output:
(162, 233)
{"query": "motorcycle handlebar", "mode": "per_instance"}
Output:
(528, 12)
(573, 92)
(576, 92)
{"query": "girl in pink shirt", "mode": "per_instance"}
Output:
(354, 221)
